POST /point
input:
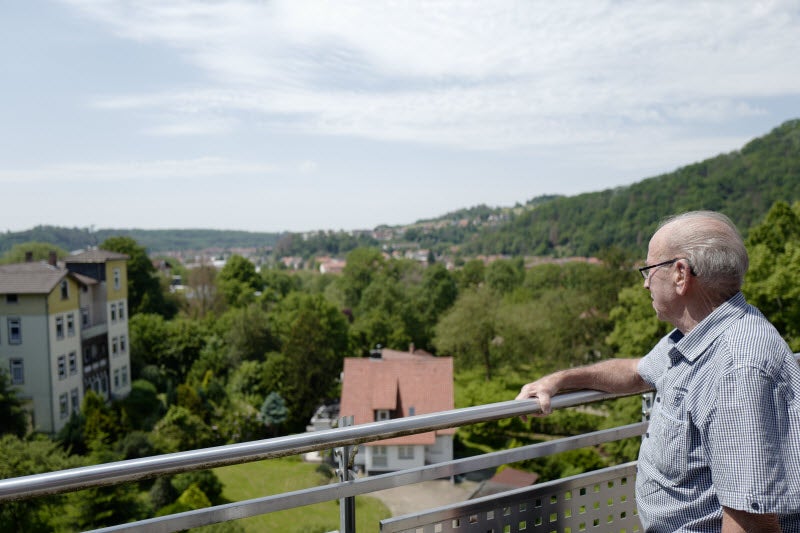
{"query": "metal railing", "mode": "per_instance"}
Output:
(341, 438)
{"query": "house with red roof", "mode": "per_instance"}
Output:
(393, 384)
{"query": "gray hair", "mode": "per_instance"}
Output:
(714, 248)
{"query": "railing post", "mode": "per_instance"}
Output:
(347, 506)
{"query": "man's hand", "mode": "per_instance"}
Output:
(543, 390)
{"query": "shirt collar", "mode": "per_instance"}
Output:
(692, 345)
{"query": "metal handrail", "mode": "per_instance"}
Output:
(146, 467)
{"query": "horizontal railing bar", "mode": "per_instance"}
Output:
(136, 469)
(289, 500)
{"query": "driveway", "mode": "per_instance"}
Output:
(425, 495)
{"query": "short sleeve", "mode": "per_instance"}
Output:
(742, 442)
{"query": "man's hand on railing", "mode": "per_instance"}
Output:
(542, 389)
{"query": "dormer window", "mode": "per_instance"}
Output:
(382, 414)
(64, 290)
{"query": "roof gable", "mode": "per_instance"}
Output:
(407, 385)
(30, 278)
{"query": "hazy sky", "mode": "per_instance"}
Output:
(271, 115)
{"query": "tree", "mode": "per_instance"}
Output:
(505, 275)
(181, 430)
(468, 329)
(636, 327)
(363, 264)
(238, 281)
(313, 342)
(273, 412)
(26, 457)
(772, 283)
(144, 290)
(13, 418)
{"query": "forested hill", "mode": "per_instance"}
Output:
(742, 184)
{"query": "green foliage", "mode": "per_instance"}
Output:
(273, 410)
(313, 342)
(27, 457)
(40, 251)
(13, 418)
(142, 407)
(181, 430)
(773, 283)
(468, 330)
(205, 480)
(238, 281)
(636, 327)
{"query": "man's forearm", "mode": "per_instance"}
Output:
(734, 521)
(612, 375)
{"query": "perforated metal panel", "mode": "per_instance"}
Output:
(601, 501)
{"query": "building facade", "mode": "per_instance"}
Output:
(393, 384)
(64, 331)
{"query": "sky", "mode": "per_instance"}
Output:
(295, 115)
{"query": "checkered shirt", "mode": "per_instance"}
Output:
(725, 425)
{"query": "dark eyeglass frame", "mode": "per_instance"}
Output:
(644, 270)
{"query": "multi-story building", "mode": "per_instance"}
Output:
(64, 331)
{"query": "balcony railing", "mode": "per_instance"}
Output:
(513, 511)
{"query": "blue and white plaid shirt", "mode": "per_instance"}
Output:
(725, 424)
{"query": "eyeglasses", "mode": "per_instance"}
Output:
(644, 270)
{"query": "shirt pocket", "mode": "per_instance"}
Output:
(666, 447)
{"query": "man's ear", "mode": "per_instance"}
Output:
(683, 276)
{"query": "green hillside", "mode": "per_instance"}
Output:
(742, 184)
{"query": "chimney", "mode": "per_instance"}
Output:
(29, 257)
(376, 353)
(411, 348)
(52, 258)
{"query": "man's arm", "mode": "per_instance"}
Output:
(735, 521)
(612, 375)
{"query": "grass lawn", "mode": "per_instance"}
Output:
(273, 476)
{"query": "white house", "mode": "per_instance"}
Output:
(395, 385)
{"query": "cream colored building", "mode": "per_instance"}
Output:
(63, 331)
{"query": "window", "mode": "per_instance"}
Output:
(117, 278)
(14, 331)
(114, 346)
(63, 405)
(113, 312)
(84, 318)
(73, 363)
(405, 452)
(382, 414)
(124, 376)
(17, 372)
(62, 367)
(59, 327)
(71, 324)
(123, 344)
(12, 298)
(122, 310)
(76, 406)
(64, 289)
(116, 378)
(379, 456)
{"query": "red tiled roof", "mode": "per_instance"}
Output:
(399, 381)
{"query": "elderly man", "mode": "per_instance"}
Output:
(722, 451)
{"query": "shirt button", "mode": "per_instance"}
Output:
(647, 435)
(658, 398)
(754, 506)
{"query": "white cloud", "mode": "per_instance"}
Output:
(463, 73)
